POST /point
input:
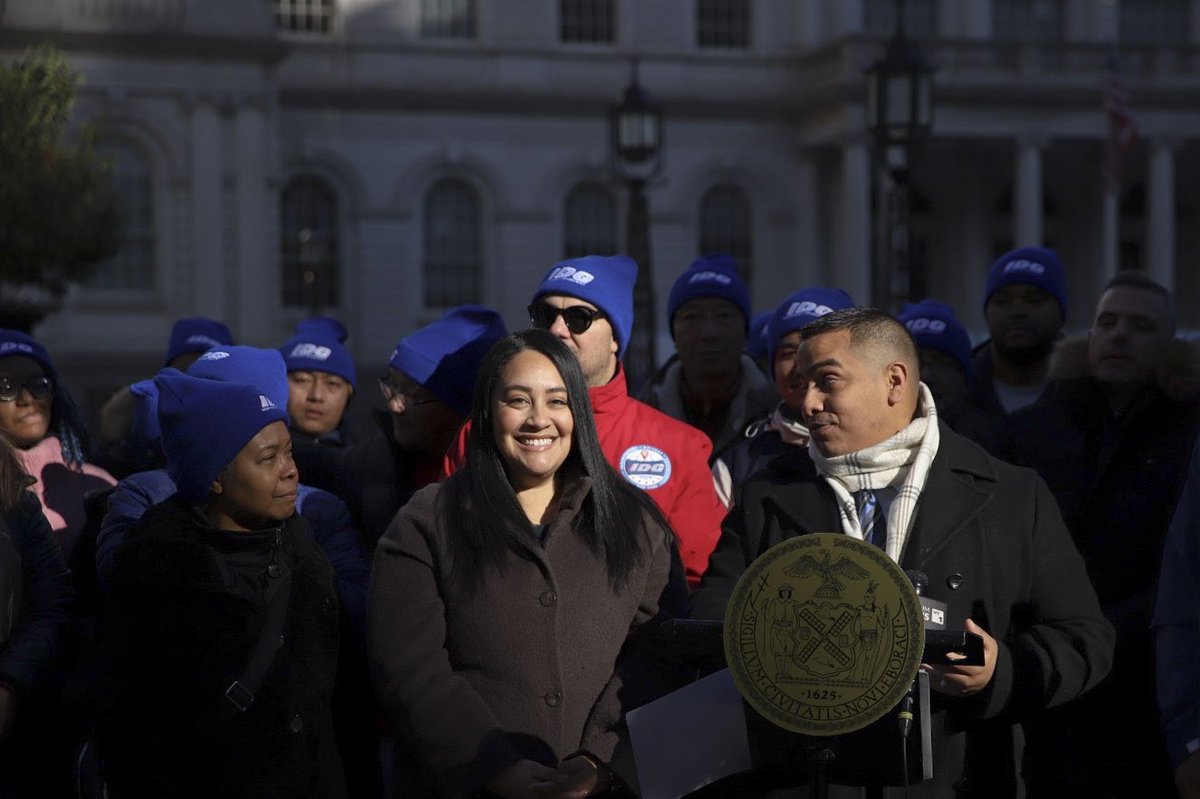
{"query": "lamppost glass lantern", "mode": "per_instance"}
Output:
(899, 95)
(635, 125)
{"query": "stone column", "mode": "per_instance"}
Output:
(854, 232)
(1160, 214)
(208, 284)
(256, 253)
(1027, 194)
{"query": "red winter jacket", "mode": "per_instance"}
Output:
(661, 455)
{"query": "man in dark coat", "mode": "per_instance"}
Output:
(1112, 439)
(1025, 306)
(431, 376)
(221, 630)
(987, 535)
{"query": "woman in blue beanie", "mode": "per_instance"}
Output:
(40, 419)
(501, 599)
(221, 632)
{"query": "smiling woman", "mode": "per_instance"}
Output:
(532, 564)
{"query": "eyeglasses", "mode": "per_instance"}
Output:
(577, 318)
(38, 387)
(392, 393)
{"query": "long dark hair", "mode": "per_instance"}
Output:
(480, 507)
(13, 479)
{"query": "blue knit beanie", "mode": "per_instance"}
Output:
(251, 366)
(444, 357)
(14, 342)
(757, 346)
(934, 325)
(604, 281)
(714, 275)
(1035, 266)
(317, 347)
(145, 429)
(196, 334)
(800, 308)
(205, 424)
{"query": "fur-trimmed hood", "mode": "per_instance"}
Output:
(1179, 377)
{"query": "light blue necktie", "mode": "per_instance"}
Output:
(868, 510)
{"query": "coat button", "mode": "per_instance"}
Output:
(548, 599)
(954, 581)
(297, 724)
(553, 698)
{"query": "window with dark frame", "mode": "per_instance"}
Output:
(305, 16)
(726, 225)
(589, 221)
(310, 243)
(447, 19)
(453, 238)
(587, 21)
(723, 24)
(1155, 21)
(132, 267)
(1028, 19)
(920, 17)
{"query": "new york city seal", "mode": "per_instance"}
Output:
(824, 634)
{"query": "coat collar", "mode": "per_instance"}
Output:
(960, 483)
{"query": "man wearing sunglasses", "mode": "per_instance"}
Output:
(588, 303)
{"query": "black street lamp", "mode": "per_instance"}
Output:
(899, 117)
(635, 139)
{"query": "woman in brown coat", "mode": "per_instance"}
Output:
(501, 599)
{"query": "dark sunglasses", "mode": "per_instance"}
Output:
(577, 318)
(38, 387)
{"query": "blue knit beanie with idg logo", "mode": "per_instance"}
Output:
(205, 424)
(317, 347)
(1035, 266)
(800, 308)
(714, 275)
(605, 281)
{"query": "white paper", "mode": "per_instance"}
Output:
(690, 738)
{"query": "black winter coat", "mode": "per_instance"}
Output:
(185, 609)
(34, 646)
(994, 547)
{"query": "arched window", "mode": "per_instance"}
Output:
(310, 244)
(589, 221)
(132, 267)
(726, 226)
(453, 244)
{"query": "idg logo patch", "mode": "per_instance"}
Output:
(316, 352)
(1032, 267)
(646, 467)
(921, 325)
(577, 276)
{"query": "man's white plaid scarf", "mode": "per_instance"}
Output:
(901, 462)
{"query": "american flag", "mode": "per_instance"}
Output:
(1122, 130)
